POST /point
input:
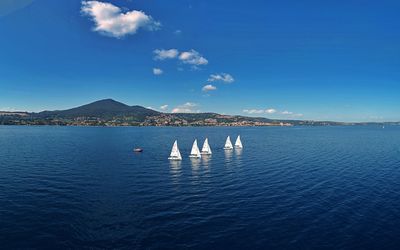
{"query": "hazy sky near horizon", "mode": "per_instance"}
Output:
(323, 60)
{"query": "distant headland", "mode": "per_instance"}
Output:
(109, 112)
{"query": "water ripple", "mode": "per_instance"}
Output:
(289, 188)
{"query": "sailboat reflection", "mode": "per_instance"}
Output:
(175, 169)
(195, 162)
(206, 161)
(238, 152)
(228, 155)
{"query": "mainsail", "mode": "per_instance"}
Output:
(175, 154)
(238, 143)
(228, 143)
(206, 150)
(195, 153)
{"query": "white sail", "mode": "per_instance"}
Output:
(228, 143)
(238, 143)
(195, 153)
(175, 154)
(206, 150)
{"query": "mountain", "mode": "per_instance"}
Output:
(109, 112)
(103, 109)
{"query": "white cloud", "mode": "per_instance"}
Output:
(157, 71)
(260, 111)
(291, 114)
(190, 104)
(208, 87)
(271, 111)
(193, 57)
(188, 107)
(164, 107)
(223, 77)
(111, 21)
(287, 112)
(178, 32)
(253, 111)
(162, 54)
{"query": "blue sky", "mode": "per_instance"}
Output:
(323, 60)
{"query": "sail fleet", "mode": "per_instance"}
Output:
(205, 150)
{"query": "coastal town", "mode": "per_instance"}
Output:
(110, 113)
(20, 118)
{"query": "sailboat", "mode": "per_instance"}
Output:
(175, 154)
(206, 150)
(238, 143)
(195, 153)
(228, 143)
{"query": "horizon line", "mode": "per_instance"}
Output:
(203, 112)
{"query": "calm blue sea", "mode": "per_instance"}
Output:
(289, 188)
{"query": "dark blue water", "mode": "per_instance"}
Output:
(289, 188)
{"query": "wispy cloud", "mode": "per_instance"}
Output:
(193, 57)
(7, 7)
(253, 111)
(110, 20)
(188, 107)
(162, 54)
(291, 114)
(164, 107)
(208, 87)
(221, 77)
(260, 111)
(286, 112)
(157, 71)
(271, 111)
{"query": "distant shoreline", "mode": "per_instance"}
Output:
(193, 126)
(110, 113)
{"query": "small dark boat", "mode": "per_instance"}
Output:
(138, 150)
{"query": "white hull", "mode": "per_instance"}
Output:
(174, 158)
(194, 156)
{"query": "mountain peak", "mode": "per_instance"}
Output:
(108, 101)
(106, 108)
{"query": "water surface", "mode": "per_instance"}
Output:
(289, 188)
